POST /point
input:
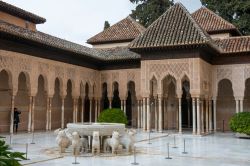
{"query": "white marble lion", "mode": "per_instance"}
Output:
(78, 143)
(96, 143)
(62, 140)
(112, 142)
(128, 140)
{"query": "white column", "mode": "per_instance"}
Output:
(82, 110)
(148, 115)
(194, 116)
(210, 115)
(62, 114)
(144, 114)
(180, 118)
(33, 114)
(124, 101)
(96, 110)
(90, 110)
(76, 110)
(12, 113)
(202, 116)
(215, 125)
(156, 115)
(241, 105)
(160, 113)
(198, 117)
(207, 115)
(110, 102)
(122, 105)
(138, 114)
(237, 105)
(30, 114)
(50, 107)
(47, 115)
(141, 110)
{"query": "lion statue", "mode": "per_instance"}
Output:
(96, 143)
(112, 142)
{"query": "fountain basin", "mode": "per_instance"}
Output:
(87, 129)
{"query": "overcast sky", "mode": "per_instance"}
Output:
(78, 20)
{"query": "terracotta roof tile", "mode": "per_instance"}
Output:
(13, 10)
(211, 22)
(46, 39)
(175, 27)
(125, 30)
(234, 44)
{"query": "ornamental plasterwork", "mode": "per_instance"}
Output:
(115, 77)
(130, 76)
(224, 73)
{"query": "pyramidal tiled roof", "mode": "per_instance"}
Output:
(175, 28)
(211, 22)
(125, 30)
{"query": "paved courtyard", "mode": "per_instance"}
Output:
(221, 149)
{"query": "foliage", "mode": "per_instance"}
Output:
(114, 115)
(147, 11)
(234, 11)
(8, 158)
(106, 25)
(240, 123)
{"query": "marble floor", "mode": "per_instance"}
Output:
(220, 149)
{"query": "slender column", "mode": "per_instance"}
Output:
(144, 114)
(148, 115)
(237, 105)
(12, 113)
(138, 114)
(141, 110)
(82, 110)
(122, 105)
(50, 107)
(96, 110)
(90, 110)
(198, 117)
(33, 114)
(215, 125)
(194, 115)
(99, 108)
(110, 102)
(180, 118)
(124, 101)
(207, 115)
(241, 105)
(160, 113)
(47, 115)
(62, 114)
(210, 115)
(156, 115)
(202, 116)
(29, 116)
(188, 105)
(76, 110)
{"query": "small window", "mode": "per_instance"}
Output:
(27, 24)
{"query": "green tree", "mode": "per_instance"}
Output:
(147, 11)
(114, 115)
(9, 158)
(106, 25)
(234, 11)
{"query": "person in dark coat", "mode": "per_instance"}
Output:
(16, 118)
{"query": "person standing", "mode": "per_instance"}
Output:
(16, 118)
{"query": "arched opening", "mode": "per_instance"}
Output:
(225, 104)
(116, 102)
(56, 111)
(87, 104)
(186, 105)
(153, 104)
(105, 100)
(170, 103)
(5, 102)
(68, 109)
(40, 105)
(246, 103)
(130, 105)
(22, 101)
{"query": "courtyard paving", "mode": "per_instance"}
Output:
(220, 149)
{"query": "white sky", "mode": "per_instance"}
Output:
(82, 19)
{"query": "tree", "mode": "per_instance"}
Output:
(235, 11)
(7, 157)
(114, 115)
(147, 11)
(106, 25)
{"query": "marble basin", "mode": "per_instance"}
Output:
(105, 129)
